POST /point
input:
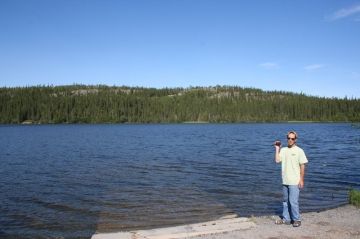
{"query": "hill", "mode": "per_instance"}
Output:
(217, 104)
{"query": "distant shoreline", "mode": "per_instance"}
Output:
(187, 122)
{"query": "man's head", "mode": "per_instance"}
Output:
(291, 138)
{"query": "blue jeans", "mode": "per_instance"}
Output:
(291, 203)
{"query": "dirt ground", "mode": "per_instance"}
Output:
(342, 222)
(339, 223)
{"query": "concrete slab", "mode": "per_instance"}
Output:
(342, 222)
(227, 224)
(115, 235)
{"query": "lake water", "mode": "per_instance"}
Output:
(69, 181)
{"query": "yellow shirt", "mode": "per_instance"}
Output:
(291, 159)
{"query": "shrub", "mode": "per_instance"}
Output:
(354, 197)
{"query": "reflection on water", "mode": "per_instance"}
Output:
(72, 180)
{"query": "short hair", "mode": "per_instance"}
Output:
(292, 132)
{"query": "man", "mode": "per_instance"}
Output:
(293, 160)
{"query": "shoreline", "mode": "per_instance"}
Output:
(340, 222)
(28, 123)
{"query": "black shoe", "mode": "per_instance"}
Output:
(282, 221)
(297, 224)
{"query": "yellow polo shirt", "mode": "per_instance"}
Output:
(291, 159)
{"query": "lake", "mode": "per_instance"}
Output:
(69, 181)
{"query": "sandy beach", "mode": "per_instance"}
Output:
(342, 222)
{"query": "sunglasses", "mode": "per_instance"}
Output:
(291, 138)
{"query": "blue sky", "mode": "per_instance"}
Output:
(292, 45)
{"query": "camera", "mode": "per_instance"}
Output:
(278, 143)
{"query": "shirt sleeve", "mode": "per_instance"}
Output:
(302, 157)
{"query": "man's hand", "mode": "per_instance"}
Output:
(301, 184)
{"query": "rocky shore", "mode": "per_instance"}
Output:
(342, 222)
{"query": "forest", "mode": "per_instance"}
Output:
(122, 104)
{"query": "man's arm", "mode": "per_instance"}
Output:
(277, 154)
(302, 174)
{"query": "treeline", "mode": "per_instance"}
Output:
(104, 104)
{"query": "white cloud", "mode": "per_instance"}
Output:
(345, 12)
(269, 65)
(313, 67)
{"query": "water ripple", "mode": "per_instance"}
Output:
(72, 180)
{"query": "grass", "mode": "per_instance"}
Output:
(354, 197)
